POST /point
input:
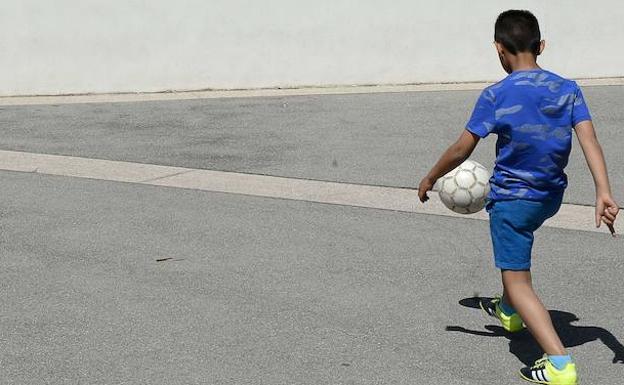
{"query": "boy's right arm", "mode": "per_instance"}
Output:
(451, 158)
(606, 208)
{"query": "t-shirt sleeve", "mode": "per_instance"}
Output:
(482, 121)
(580, 112)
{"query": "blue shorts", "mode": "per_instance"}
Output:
(512, 223)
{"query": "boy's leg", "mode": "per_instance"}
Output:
(518, 291)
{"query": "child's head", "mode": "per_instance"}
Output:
(517, 33)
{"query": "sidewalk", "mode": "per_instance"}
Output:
(386, 139)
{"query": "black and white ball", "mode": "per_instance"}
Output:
(465, 188)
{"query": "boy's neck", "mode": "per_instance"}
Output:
(523, 61)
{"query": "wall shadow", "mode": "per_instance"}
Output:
(522, 344)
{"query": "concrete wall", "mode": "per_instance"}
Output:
(80, 46)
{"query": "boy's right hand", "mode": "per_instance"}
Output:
(606, 211)
(426, 184)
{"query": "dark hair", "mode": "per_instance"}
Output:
(518, 31)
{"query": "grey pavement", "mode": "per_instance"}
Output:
(386, 139)
(266, 291)
(119, 283)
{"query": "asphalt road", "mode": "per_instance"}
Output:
(389, 139)
(118, 283)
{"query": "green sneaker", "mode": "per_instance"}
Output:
(512, 323)
(543, 372)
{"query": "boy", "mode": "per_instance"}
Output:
(533, 112)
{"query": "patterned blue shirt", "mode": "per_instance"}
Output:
(533, 113)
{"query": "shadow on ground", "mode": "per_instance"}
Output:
(522, 344)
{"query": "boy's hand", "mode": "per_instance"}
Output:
(606, 211)
(425, 185)
(452, 157)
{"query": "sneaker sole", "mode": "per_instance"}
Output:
(542, 382)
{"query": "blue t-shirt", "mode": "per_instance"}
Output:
(533, 113)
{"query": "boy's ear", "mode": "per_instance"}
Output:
(499, 47)
(542, 46)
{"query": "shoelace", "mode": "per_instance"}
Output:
(540, 364)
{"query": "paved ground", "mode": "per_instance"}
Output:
(386, 139)
(114, 283)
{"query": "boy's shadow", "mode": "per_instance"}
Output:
(523, 346)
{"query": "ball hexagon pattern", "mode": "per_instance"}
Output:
(465, 188)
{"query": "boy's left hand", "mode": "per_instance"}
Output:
(606, 211)
(425, 185)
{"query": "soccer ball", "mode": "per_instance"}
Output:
(464, 189)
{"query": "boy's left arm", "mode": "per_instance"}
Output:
(606, 207)
(455, 155)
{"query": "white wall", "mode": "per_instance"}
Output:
(80, 46)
